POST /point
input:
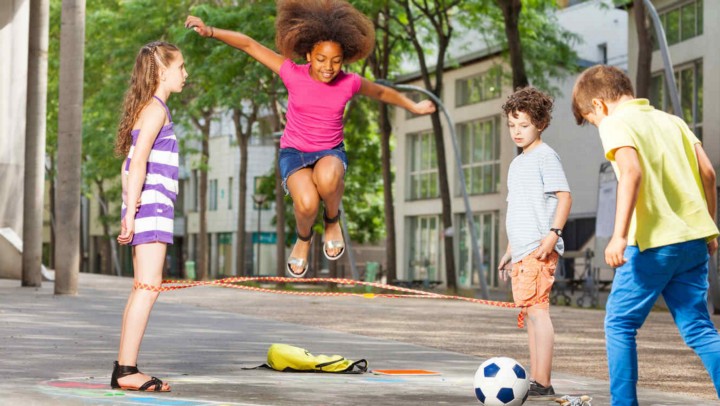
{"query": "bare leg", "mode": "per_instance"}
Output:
(542, 341)
(306, 203)
(148, 261)
(531, 345)
(328, 176)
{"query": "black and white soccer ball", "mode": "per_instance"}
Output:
(501, 381)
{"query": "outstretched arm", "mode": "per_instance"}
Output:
(391, 96)
(238, 40)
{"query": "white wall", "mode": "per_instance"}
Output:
(14, 25)
(598, 24)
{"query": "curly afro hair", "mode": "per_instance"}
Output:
(301, 24)
(532, 102)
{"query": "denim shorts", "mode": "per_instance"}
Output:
(292, 160)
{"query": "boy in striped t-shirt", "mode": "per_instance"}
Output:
(538, 206)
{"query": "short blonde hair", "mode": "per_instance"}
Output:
(599, 82)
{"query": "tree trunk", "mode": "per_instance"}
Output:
(380, 62)
(511, 13)
(51, 174)
(203, 254)
(279, 193)
(446, 205)
(72, 41)
(33, 195)
(439, 17)
(204, 246)
(243, 135)
(642, 80)
(109, 255)
(390, 241)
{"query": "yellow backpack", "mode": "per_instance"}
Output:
(286, 358)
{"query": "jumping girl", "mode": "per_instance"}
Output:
(147, 138)
(327, 34)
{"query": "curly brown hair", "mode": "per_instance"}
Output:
(143, 83)
(302, 24)
(532, 102)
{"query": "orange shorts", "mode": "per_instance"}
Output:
(532, 280)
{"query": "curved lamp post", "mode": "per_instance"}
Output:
(468, 212)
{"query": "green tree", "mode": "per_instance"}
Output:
(384, 61)
(237, 83)
(431, 20)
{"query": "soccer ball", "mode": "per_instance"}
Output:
(501, 381)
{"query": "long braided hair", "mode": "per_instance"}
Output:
(143, 84)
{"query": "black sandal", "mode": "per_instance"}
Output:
(121, 371)
(301, 262)
(333, 244)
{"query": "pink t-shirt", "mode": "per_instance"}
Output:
(315, 109)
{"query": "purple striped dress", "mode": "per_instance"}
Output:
(154, 220)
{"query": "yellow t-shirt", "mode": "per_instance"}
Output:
(671, 206)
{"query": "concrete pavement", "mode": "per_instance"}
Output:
(58, 350)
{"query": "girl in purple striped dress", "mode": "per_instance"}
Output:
(150, 176)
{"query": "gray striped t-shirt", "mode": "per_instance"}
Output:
(533, 179)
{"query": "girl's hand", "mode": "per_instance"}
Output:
(127, 230)
(137, 205)
(424, 107)
(503, 269)
(198, 25)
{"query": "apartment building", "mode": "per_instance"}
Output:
(690, 30)
(474, 93)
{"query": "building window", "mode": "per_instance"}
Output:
(424, 252)
(689, 81)
(682, 22)
(212, 195)
(230, 193)
(480, 155)
(487, 229)
(423, 171)
(478, 88)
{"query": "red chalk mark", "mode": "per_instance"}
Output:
(404, 372)
(78, 385)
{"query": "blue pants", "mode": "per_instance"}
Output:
(679, 272)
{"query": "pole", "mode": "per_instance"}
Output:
(33, 194)
(662, 41)
(259, 239)
(468, 211)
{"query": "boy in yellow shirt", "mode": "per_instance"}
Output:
(664, 227)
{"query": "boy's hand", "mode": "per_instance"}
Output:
(547, 245)
(503, 269)
(615, 251)
(712, 247)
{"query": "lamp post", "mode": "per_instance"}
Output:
(468, 212)
(259, 201)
